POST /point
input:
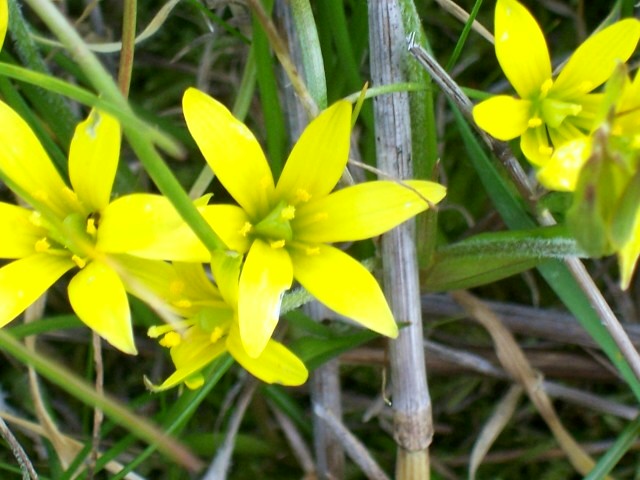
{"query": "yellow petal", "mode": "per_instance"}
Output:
(276, 363)
(535, 145)
(628, 259)
(148, 226)
(344, 285)
(521, 48)
(319, 156)
(23, 281)
(231, 224)
(26, 164)
(97, 295)
(231, 150)
(192, 354)
(266, 275)
(593, 62)
(4, 20)
(363, 211)
(20, 234)
(503, 117)
(561, 172)
(93, 159)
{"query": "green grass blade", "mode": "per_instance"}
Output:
(623, 443)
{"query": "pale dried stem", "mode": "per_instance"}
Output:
(219, 468)
(98, 415)
(281, 51)
(354, 448)
(26, 467)
(515, 362)
(297, 443)
(502, 151)
(413, 427)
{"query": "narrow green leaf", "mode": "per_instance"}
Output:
(623, 443)
(488, 257)
(310, 51)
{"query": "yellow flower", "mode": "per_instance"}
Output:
(4, 20)
(285, 229)
(210, 328)
(550, 111)
(78, 228)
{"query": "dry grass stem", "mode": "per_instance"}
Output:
(514, 361)
(354, 448)
(496, 423)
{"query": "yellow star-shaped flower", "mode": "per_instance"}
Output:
(209, 327)
(286, 229)
(549, 111)
(79, 228)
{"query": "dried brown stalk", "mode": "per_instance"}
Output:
(413, 428)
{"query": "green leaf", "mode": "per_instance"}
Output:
(314, 351)
(488, 257)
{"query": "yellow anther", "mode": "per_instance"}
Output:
(546, 86)
(534, 122)
(216, 334)
(277, 243)
(288, 212)
(80, 262)
(302, 195)
(42, 245)
(246, 228)
(617, 130)
(312, 250)
(171, 339)
(545, 150)
(91, 226)
(36, 218)
(183, 303)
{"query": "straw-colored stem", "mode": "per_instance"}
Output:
(411, 402)
(128, 46)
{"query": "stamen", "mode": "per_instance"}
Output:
(216, 334)
(312, 250)
(277, 244)
(80, 262)
(42, 245)
(546, 86)
(534, 122)
(288, 212)
(36, 218)
(171, 339)
(545, 150)
(183, 303)
(246, 228)
(91, 226)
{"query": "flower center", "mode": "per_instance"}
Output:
(275, 227)
(551, 111)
